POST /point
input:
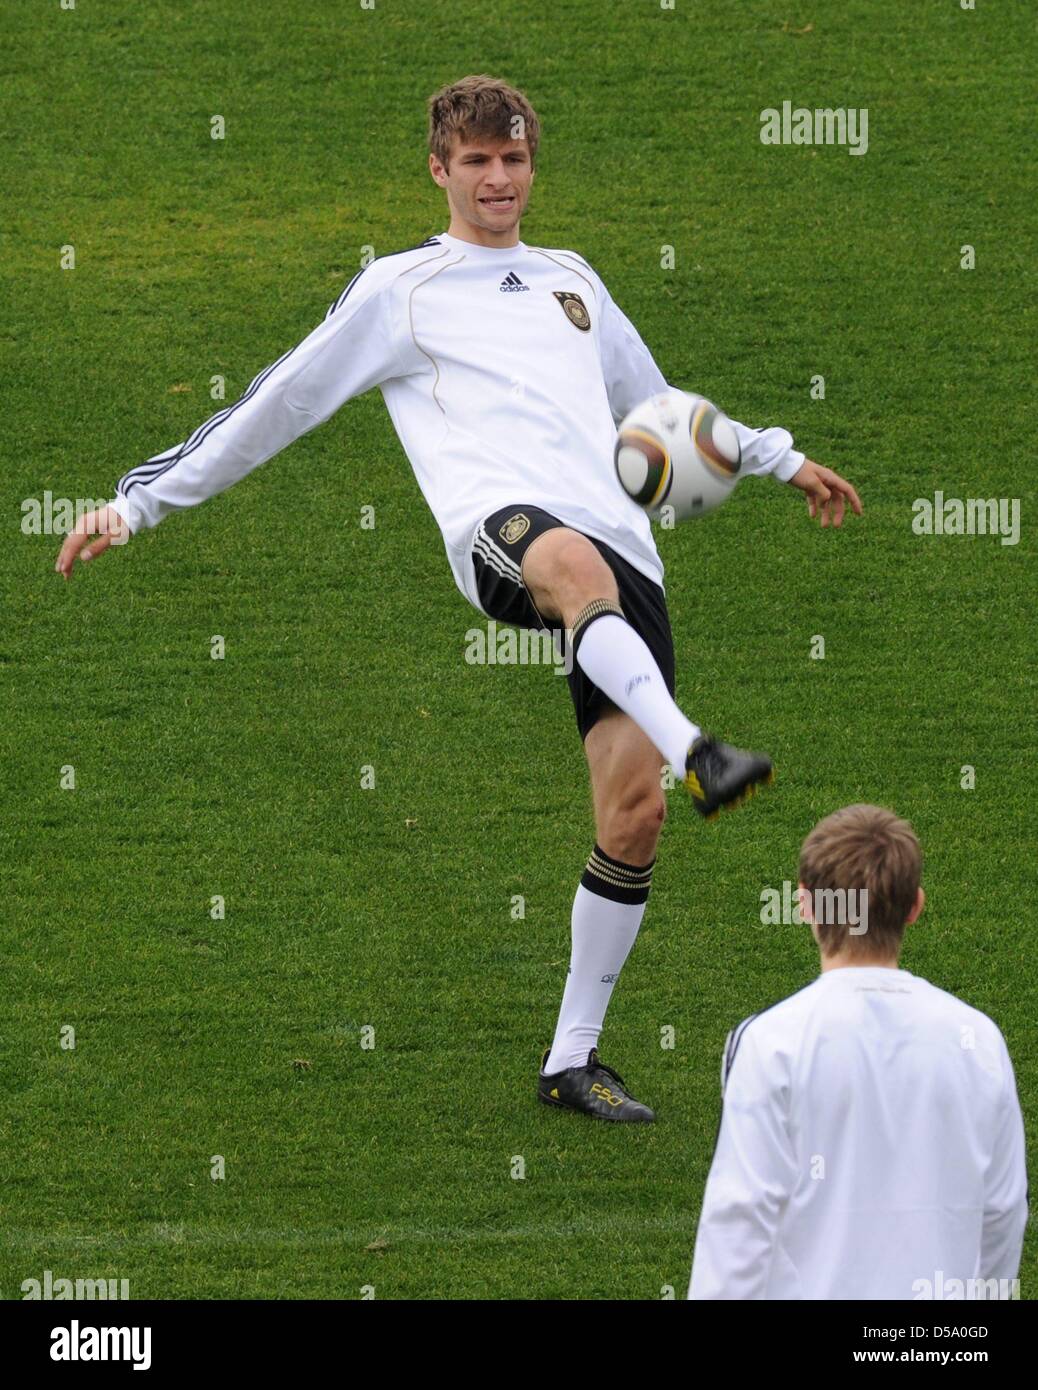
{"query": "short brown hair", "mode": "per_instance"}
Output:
(863, 848)
(480, 108)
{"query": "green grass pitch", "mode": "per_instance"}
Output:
(392, 1166)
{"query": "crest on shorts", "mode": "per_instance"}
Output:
(514, 528)
(574, 309)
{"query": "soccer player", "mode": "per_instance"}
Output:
(871, 1144)
(505, 368)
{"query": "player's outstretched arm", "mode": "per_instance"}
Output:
(354, 348)
(827, 493)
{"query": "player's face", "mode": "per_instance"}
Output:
(487, 184)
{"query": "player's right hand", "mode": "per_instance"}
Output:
(106, 524)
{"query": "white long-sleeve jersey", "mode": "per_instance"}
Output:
(871, 1147)
(498, 396)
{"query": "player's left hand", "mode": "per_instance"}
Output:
(827, 492)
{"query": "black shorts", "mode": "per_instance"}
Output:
(501, 541)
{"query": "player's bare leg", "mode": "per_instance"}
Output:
(568, 580)
(626, 787)
(629, 810)
(563, 572)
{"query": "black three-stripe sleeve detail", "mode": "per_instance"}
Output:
(732, 1047)
(153, 468)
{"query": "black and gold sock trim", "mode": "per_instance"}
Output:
(597, 608)
(609, 878)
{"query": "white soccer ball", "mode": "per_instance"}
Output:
(677, 455)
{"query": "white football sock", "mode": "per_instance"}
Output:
(619, 662)
(603, 932)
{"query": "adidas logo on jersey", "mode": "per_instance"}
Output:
(511, 283)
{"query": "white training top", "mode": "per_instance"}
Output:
(498, 395)
(870, 1140)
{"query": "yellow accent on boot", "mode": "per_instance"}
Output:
(606, 1094)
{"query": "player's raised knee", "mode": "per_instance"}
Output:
(584, 571)
(564, 571)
